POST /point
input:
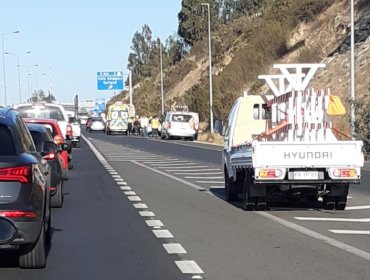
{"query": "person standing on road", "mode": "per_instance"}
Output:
(155, 125)
(144, 123)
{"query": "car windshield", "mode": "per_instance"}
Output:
(43, 112)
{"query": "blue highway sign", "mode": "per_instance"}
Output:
(110, 80)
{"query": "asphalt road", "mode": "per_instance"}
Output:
(153, 209)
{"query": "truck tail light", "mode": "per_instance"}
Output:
(270, 173)
(345, 172)
(21, 174)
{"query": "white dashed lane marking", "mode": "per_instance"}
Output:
(125, 188)
(154, 223)
(122, 183)
(134, 198)
(146, 214)
(129, 193)
(183, 167)
(174, 248)
(162, 233)
(202, 177)
(189, 267)
(363, 207)
(140, 206)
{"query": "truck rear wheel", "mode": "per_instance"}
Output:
(328, 202)
(340, 202)
(248, 202)
(230, 188)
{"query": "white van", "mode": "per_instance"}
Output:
(180, 124)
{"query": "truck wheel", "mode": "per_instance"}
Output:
(328, 202)
(230, 188)
(261, 204)
(340, 202)
(248, 201)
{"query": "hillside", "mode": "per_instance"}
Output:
(296, 32)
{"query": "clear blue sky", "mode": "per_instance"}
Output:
(74, 39)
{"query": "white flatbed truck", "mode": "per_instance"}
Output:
(284, 145)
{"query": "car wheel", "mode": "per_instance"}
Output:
(65, 174)
(58, 197)
(33, 255)
(48, 233)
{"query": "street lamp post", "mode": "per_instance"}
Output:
(130, 84)
(352, 70)
(3, 54)
(161, 63)
(210, 67)
(19, 73)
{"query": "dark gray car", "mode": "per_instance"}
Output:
(24, 191)
(46, 147)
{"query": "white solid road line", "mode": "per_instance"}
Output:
(174, 248)
(189, 267)
(364, 220)
(167, 162)
(174, 164)
(358, 232)
(363, 207)
(331, 241)
(162, 233)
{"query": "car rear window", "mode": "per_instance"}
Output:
(7, 147)
(181, 118)
(51, 129)
(43, 112)
(37, 139)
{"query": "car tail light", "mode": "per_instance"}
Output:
(58, 140)
(49, 156)
(169, 124)
(69, 130)
(21, 174)
(18, 214)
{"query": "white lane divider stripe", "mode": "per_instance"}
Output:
(170, 176)
(192, 173)
(211, 182)
(358, 232)
(183, 167)
(140, 206)
(113, 173)
(202, 177)
(116, 176)
(154, 223)
(189, 267)
(363, 207)
(129, 193)
(363, 220)
(331, 241)
(134, 198)
(162, 233)
(125, 188)
(166, 165)
(122, 183)
(193, 170)
(146, 214)
(174, 248)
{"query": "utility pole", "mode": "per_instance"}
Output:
(353, 117)
(161, 62)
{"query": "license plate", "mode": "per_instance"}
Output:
(305, 175)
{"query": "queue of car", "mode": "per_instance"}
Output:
(35, 155)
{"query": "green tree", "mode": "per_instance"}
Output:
(193, 20)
